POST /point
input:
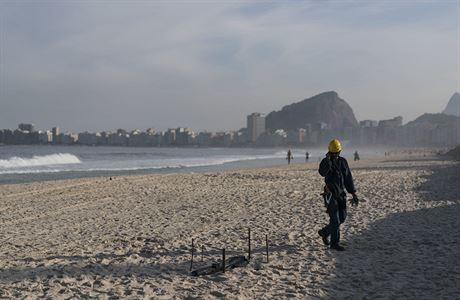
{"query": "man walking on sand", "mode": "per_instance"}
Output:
(338, 178)
(289, 156)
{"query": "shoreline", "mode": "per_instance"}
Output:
(130, 236)
(76, 175)
(30, 164)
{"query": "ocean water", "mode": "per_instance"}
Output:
(20, 164)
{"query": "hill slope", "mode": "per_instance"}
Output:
(326, 107)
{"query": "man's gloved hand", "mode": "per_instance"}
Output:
(354, 201)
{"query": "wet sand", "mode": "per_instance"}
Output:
(130, 237)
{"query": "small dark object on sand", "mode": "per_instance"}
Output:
(231, 263)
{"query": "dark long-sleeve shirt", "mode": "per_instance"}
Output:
(337, 176)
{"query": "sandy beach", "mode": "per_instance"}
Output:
(130, 237)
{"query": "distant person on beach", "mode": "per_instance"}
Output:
(289, 156)
(356, 155)
(307, 156)
(338, 178)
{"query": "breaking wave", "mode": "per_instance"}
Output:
(66, 162)
(35, 161)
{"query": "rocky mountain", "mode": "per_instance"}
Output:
(326, 107)
(453, 107)
(435, 120)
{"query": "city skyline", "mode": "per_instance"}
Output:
(211, 130)
(99, 66)
(428, 130)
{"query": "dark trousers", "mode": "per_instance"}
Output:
(337, 211)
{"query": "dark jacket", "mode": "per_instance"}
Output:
(337, 176)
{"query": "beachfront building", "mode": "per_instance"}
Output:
(240, 138)
(68, 138)
(157, 139)
(138, 138)
(120, 138)
(218, 139)
(169, 137)
(365, 133)
(368, 123)
(184, 137)
(26, 127)
(55, 132)
(277, 138)
(296, 136)
(348, 133)
(395, 122)
(204, 139)
(85, 138)
(228, 139)
(45, 137)
(387, 130)
(25, 137)
(222, 139)
(102, 138)
(7, 136)
(255, 126)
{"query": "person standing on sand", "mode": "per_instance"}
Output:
(338, 178)
(307, 156)
(289, 156)
(356, 156)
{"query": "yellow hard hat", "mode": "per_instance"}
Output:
(335, 146)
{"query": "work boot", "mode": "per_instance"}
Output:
(337, 247)
(324, 237)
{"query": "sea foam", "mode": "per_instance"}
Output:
(46, 160)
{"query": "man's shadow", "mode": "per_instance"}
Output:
(408, 255)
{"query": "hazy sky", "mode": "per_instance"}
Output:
(102, 65)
